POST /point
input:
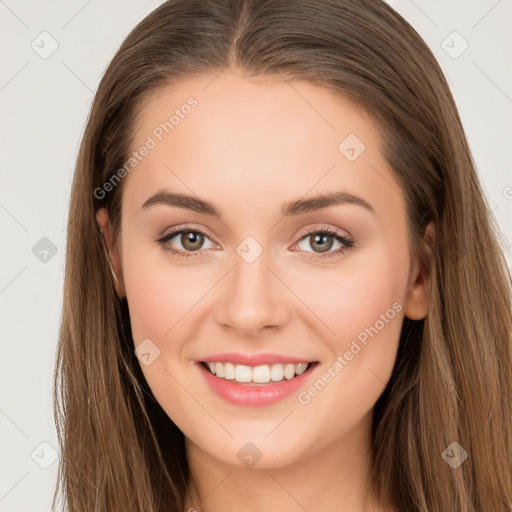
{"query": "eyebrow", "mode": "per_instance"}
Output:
(291, 208)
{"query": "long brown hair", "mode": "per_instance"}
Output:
(452, 380)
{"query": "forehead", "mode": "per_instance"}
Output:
(265, 113)
(243, 139)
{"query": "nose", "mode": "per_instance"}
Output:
(252, 299)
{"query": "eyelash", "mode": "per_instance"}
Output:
(347, 242)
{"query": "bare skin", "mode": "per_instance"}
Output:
(249, 147)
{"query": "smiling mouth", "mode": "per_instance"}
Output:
(254, 375)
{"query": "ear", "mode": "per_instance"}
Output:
(114, 259)
(416, 303)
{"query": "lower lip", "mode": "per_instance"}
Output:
(255, 395)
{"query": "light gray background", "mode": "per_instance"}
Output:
(44, 105)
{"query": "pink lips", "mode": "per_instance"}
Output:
(250, 393)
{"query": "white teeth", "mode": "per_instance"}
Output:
(300, 368)
(261, 374)
(242, 373)
(289, 371)
(258, 374)
(219, 369)
(277, 372)
(229, 371)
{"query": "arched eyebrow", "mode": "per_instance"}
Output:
(291, 208)
(323, 201)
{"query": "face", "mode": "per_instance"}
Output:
(252, 270)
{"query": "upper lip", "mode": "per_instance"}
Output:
(254, 359)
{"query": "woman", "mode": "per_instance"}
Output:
(283, 283)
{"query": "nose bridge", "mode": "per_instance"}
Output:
(251, 298)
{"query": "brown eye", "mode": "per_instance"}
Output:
(191, 240)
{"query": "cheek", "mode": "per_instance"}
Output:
(159, 294)
(161, 299)
(360, 307)
(367, 326)
(349, 299)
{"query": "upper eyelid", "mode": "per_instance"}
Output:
(325, 228)
(185, 228)
(173, 232)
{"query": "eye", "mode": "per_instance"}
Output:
(191, 240)
(322, 240)
(188, 240)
